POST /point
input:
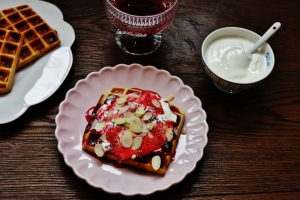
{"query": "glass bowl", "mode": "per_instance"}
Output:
(139, 23)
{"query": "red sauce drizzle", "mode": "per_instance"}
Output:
(88, 114)
(157, 144)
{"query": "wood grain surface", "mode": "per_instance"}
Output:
(253, 149)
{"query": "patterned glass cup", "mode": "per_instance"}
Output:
(139, 23)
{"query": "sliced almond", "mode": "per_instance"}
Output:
(130, 118)
(138, 121)
(137, 142)
(100, 126)
(119, 105)
(132, 134)
(150, 135)
(156, 162)
(119, 121)
(143, 134)
(181, 111)
(109, 113)
(126, 139)
(103, 137)
(133, 156)
(128, 115)
(121, 100)
(140, 111)
(132, 105)
(183, 132)
(99, 150)
(135, 128)
(123, 109)
(169, 135)
(156, 103)
(95, 122)
(147, 116)
(170, 98)
(175, 131)
(144, 128)
(150, 126)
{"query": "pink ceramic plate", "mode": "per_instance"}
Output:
(71, 123)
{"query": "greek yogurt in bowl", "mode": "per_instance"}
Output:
(227, 63)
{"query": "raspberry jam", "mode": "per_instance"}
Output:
(154, 140)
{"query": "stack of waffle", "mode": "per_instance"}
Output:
(39, 38)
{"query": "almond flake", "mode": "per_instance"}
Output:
(119, 121)
(132, 105)
(175, 131)
(170, 98)
(150, 135)
(95, 122)
(100, 126)
(126, 139)
(103, 137)
(140, 111)
(121, 100)
(143, 134)
(183, 132)
(130, 118)
(128, 115)
(109, 113)
(144, 128)
(138, 121)
(137, 142)
(133, 156)
(135, 128)
(169, 135)
(123, 109)
(156, 103)
(132, 134)
(99, 150)
(147, 116)
(150, 126)
(155, 162)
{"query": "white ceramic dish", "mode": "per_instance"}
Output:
(70, 125)
(40, 79)
(225, 84)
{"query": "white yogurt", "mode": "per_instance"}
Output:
(227, 58)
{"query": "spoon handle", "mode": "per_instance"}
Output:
(265, 37)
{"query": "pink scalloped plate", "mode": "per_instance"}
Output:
(71, 122)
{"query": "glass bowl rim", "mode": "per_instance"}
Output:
(148, 16)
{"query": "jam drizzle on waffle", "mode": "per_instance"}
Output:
(155, 140)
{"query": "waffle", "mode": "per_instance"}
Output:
(10, 47)
(39, 36)
(134, 127)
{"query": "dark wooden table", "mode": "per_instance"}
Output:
(253, 149)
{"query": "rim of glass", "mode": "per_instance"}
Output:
(148, 16)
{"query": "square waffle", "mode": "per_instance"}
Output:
(135, 127)
(10, 47)
(39, 36)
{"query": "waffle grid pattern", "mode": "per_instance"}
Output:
(39, 36)
(10, 48)
(166, 158)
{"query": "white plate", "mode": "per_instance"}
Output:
(71, 123)
(40, 79)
